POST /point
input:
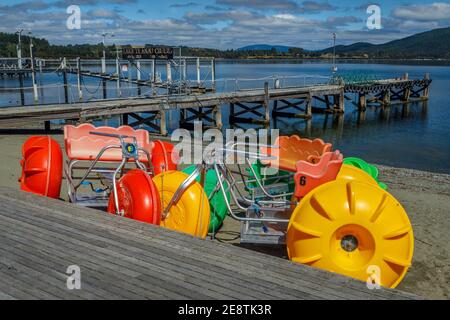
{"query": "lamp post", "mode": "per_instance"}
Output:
(334, 68)
(19, 48)
(104, 35)
(33, 71)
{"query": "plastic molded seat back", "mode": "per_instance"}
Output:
(310, 176)
(293, 149)
(81, 145)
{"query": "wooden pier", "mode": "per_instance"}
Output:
(119, 258)
(388, 91)
(152, 111)
(196, 102)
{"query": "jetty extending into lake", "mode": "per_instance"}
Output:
(198, 99)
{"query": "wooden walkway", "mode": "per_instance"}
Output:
(124, 259)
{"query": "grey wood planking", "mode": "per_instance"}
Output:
(124, 259)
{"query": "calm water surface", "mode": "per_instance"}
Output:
(414, 136)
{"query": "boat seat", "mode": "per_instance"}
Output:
(293, 149)
(310, 176)
(81, 145)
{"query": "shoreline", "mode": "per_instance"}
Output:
(424, 195)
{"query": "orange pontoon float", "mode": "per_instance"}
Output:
(41, 167)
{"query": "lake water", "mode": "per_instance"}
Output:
(415, 136)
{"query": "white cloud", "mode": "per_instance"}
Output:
(430, 12)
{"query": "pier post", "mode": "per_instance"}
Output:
(125, 119)
(119, 93)
(163, 122)
(426, 91)
(213, 73)
(218, 116)
(266, 102)
(33, 76)
(198, 72)
(387, 97)
(130, 72)
(22, 93)
(407, 91)
(66, 87)
(184, 74)
(105, 95)
(138, 70)
(153, 78)
(342, 101)
(103, 65)
(169, 72)
(362, 101)
(309, 107)
(80, 91)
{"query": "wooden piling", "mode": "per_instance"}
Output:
(153, 78)
(362, 101)
(426, 90)
(309, 107)
(22, 92)
(163, 122)
(266, 103)
(105, 95)
(407, 91)
(387, 97)
(218, 116)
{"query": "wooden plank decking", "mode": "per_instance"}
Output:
(124, 259)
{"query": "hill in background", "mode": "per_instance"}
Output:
(429, 44)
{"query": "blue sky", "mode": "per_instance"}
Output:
(223, 24)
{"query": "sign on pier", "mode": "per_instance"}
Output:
(131, 53)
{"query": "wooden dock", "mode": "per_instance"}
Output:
(124, 259)
(254, 106)
(207, 107)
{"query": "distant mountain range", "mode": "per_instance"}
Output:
(429, 44)
(265, 47)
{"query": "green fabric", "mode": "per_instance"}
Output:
(363, 165)
(217, 202)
